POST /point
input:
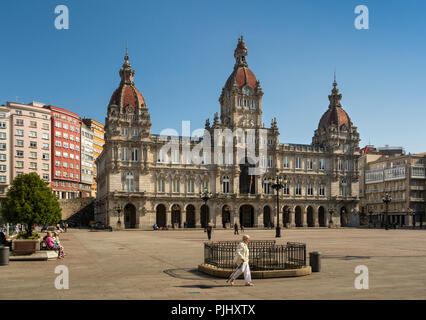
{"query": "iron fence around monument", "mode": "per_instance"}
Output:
(263, 254)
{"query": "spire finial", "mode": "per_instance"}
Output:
(335, 97)
(126, 57)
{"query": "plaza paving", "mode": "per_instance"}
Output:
(162, 265)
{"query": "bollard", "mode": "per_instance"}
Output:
(315, 261)
(4, 256)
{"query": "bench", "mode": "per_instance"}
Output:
(20, 247)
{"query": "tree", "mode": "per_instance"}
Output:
(30, 201)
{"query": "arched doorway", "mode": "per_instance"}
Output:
(226, 215)
(205, 218)
(286, 216)
(298, 216)
(190, 216)
(267, 217)
(247, 216)
(129, 216)
(160, 216)
(247, 181)
(176, 215)
(310, 217)
(343, 217)
(321, 216)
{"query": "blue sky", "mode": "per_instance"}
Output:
(182, 52)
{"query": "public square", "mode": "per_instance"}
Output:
(163, 265)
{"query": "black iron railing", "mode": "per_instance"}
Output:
(263, 255)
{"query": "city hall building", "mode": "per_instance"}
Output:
(142, 183)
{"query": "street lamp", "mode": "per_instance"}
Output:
(371, 219)
(205, 196)
(386, 199)
(279, 184)
(330, 212)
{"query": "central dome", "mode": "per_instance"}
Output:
(242, 75)
(127, 97)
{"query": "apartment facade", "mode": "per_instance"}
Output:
(66, 131)
(98, 144)
(30, 144)
(86, 161)
(403, 178)
(4, 150)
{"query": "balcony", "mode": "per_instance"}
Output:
(420, 188)
(413, 199)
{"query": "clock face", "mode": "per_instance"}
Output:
(247, 90)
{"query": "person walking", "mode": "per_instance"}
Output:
(242, 227)
(236, 228)
(209, 229)
(242, 260)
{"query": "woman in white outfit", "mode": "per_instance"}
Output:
(242, 259)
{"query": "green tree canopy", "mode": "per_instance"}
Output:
(30, 201)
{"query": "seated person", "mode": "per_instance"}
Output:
(52, 244)
(4, 239)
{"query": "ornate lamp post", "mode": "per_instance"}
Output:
(279, 184)
(386, 199)
(330, 222)
(205, 196)
(370, 211)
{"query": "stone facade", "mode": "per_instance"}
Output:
(144, 179)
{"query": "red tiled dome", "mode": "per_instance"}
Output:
(126, 95)
(334, 115)
(242, 76)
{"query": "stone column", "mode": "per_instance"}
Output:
(231, 216)
(258, 217)
(197, 217)
(304, 215)
(316, 220)
(292, 217)
(168, 217)
(212, 215)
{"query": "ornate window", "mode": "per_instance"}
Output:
(322, 164)
(286, 162)
(298, 163)
(270, 161)
(135, 154)
(161, 185)
(309, 164)
(205, 185)
(176, 186)
(190, 186)
(225, 184)
(161, 157)
(322, 190)
(266, 186)
(124, 155)
(129, 182)
(286, 189)
(298, 190)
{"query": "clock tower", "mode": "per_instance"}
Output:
(241, 98)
